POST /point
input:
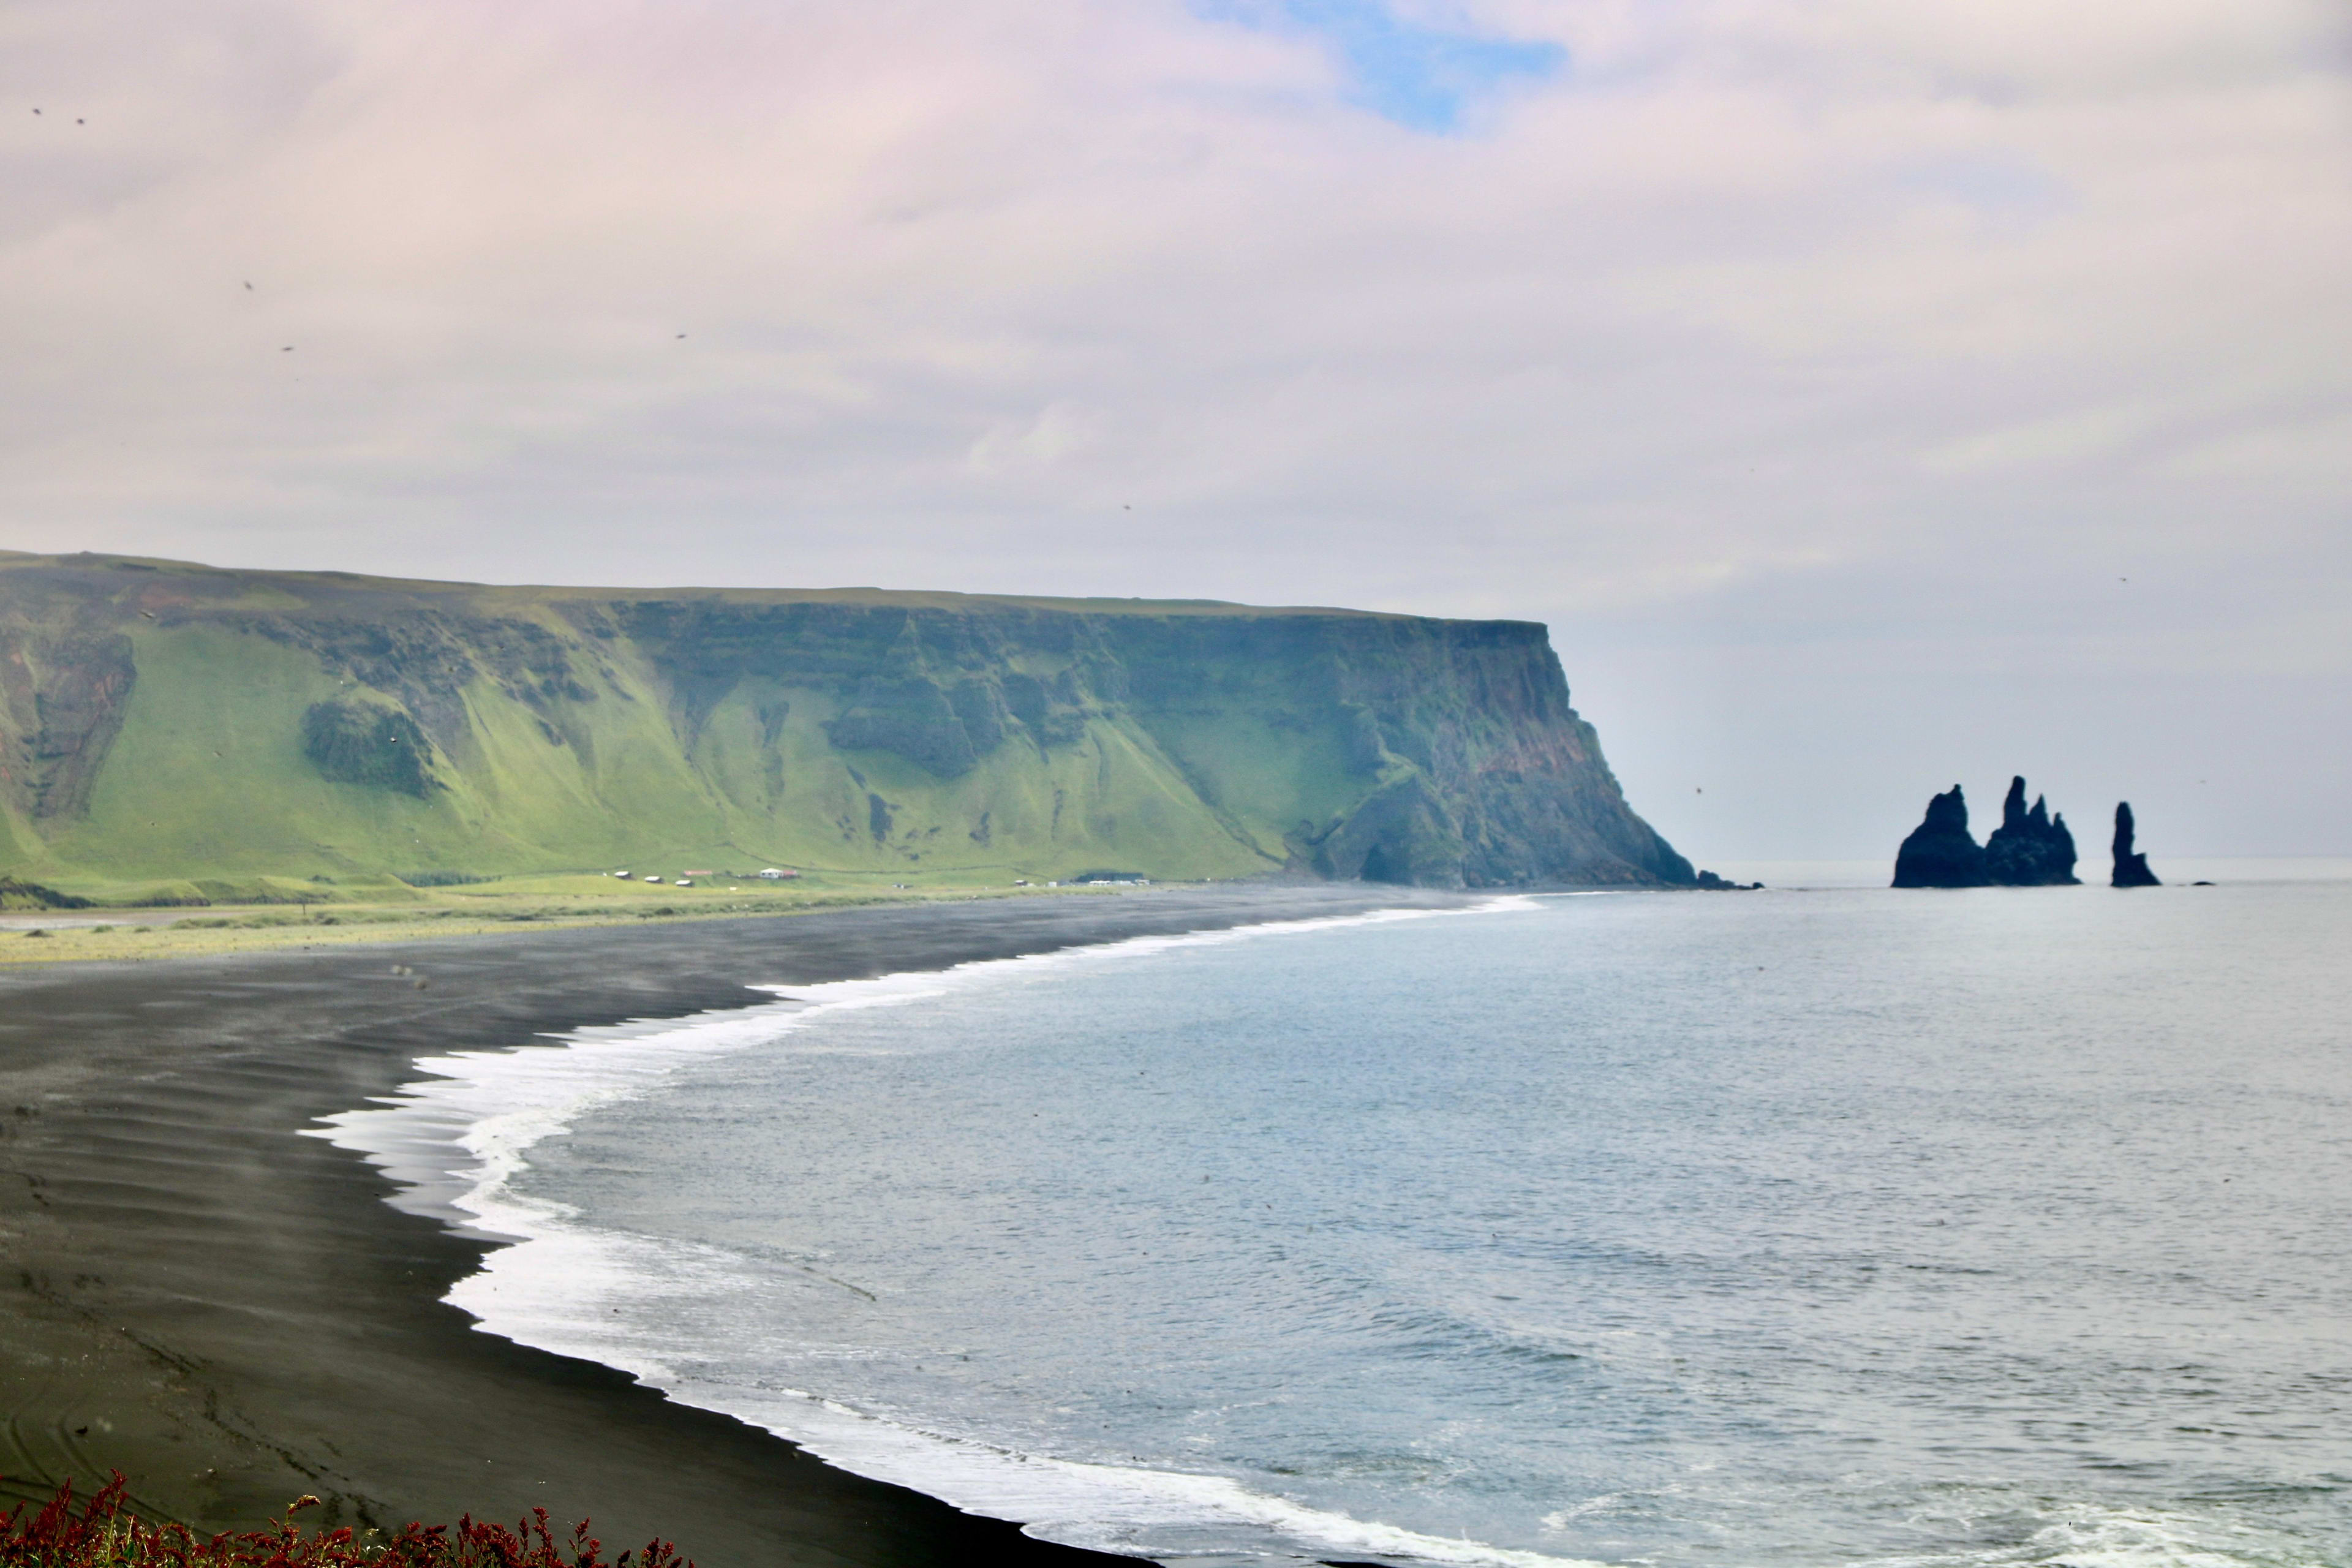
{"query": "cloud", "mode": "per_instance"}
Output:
(1652, 318)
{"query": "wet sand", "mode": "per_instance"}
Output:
(231, 1315)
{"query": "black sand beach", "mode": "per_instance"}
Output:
(231, 1315)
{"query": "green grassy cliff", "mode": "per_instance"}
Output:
(177, 725)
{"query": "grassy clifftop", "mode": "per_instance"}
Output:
(179, 726)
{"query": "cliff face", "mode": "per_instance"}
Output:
(160, 720)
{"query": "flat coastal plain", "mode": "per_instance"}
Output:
(231, 1314)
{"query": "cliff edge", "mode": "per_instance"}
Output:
(164, 719)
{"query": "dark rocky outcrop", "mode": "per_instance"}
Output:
(1940, 853)
(918, 720)
(17, 895)
(2030, 849)
(364, 744)
(2131, 867)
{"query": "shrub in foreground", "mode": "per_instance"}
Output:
(106, 1534)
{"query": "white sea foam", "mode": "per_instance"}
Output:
(2082, 1534)
(453, 1143)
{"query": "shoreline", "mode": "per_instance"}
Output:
(233, 1314)
(456, 1139)
(149, 935)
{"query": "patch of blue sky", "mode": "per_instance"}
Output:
(1993, 185)
(1422, 77)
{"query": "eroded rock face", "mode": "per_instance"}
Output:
(63, 688)
(2030, 849)
(1940, 853)
(2131, 867)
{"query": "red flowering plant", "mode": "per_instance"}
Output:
(107, 1534)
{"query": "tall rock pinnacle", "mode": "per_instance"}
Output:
(2029, 849)
(2131, 868)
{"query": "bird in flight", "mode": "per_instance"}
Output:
(248, 287)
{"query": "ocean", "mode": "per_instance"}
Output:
(1837, 1227)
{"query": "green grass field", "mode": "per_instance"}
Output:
(368, 914)
(206, 789)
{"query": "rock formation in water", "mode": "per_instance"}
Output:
(2030, 849)
(2131, 867)
(160, 720)
(1940, 853)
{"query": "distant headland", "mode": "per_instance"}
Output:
(2031, 848)
(172, 732)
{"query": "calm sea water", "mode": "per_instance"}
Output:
(2007, 1227)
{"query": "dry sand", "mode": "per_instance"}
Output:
(231, 1315)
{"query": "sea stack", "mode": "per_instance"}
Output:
(2030, 849)
(1939, 853)
(2131, 868)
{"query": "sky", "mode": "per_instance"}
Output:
(1868, 396)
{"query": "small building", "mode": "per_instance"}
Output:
(777, 874)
